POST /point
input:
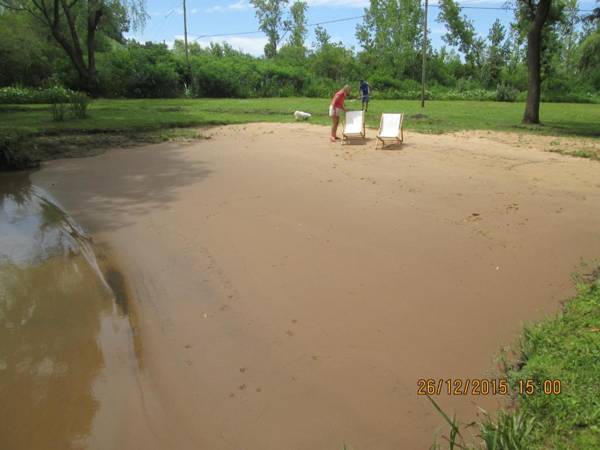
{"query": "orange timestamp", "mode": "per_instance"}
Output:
(485, 386)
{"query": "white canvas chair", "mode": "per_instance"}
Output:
(354, 126)
(390, 129)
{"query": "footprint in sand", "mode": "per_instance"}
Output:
(474, 217)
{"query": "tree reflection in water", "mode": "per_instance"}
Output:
(51, 304)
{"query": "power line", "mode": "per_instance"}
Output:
(348, 19)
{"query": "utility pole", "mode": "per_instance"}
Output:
(424, 55)
(185, 39)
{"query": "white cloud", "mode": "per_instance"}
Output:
(240, 5)
(252, 45)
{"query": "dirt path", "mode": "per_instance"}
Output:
(290, 292)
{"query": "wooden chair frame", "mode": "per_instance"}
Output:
(397, 140)
(349, 136)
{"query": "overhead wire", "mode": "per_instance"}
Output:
(348, 19)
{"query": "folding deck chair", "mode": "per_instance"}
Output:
(390, 129)
(354, 126)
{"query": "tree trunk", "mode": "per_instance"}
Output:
(534, 43)
(50, 14)
(94, 16)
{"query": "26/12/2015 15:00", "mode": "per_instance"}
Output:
(485, 386)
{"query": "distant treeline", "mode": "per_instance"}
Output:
(471, 67)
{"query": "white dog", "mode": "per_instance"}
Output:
(299, 115)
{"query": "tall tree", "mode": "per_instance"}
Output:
(296, 24)
(567, 29)
(534, 13)
(270, 17)
(496, 54)
(589, 61)
(322, 37)
(460, 32)
(391, 36)
(74, 25)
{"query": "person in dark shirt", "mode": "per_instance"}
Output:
(365, 92)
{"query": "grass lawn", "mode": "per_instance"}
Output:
(437, 117)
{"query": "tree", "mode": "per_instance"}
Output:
(461, 32)
(74, 25)
(568, 32)
(25, 56)
(496, 55)
(534, 15)
(589, 61)
(391, 36)
(296, 25)
(270, 16)
(322, 36)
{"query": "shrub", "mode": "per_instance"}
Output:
(505, 93)
(79, 103)
(139, 71)
(20, 96)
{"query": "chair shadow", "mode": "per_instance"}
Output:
(357, 141)
(401, 146)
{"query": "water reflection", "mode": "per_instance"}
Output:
(52, 303)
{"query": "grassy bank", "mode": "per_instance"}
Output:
(565, 416)
(136, 120)
(565, 348)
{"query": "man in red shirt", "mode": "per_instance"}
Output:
(335, 110)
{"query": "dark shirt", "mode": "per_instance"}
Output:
(364, 88)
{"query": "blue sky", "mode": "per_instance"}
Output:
(209, 17)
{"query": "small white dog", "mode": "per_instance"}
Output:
(300, 115)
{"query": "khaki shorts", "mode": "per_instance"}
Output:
(335, 112)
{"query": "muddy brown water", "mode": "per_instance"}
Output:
(60, 322)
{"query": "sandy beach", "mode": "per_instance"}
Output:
(288, 293)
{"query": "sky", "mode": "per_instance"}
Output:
(226, 17)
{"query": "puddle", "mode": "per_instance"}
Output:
(66, 340)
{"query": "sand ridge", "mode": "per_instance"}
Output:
(290, 291)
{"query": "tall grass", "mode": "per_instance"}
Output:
(510, 431)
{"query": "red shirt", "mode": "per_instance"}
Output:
(338, 99)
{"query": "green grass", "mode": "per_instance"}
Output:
(565, 348)
(440, 116)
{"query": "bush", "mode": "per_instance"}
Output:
(505, 93)
(20, 96)
(139, 71)
(15, 154)
(79, 103)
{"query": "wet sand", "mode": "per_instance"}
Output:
(290, 292)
